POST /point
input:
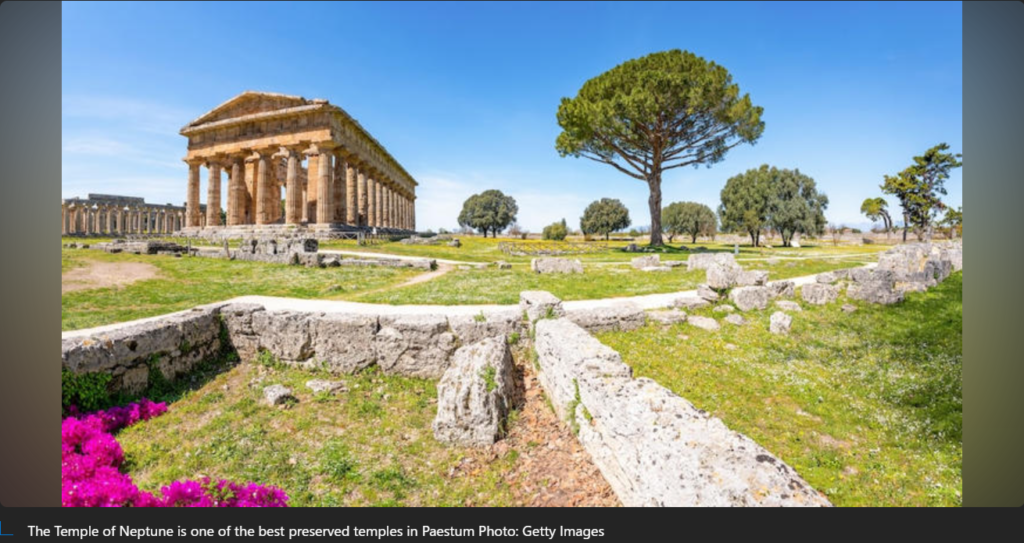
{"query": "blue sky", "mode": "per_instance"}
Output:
(464, 95)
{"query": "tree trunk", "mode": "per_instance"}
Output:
(906, 226)
(654, 202)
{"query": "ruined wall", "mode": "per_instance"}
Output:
(413, 345)
(654, 447)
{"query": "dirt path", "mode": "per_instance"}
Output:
(553, 470)
(94, 275)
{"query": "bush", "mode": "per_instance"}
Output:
(556, 231)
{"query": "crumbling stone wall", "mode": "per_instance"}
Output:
(412, 344)
(654, 447)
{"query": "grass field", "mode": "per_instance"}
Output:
(866, 406)
(370, 446)
(475, 249)
(494, 286)
(183, 283)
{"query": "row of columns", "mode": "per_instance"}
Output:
(335, 188)
(82, 219)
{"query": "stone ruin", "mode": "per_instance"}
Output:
(142, 247)
(914, 267)
(301, 251)
(556, 265)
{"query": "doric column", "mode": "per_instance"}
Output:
(412, 213)
(88, 220)
(263, 189)
(338, 188)
(251, 188)
(63, 219)
(320, 177)
(293, 195)
(387, 206)
(120, 221)
(379, 201)
(236, 192)
(108, 212)
(364, 198)
(213, 195)
(351, 193)
(371, 198)
(192, 196)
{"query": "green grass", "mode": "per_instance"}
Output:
(866, 406)
(476, 249)
(186, 282)
(370, 446)
(493, 286)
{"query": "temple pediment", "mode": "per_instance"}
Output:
(250, 103)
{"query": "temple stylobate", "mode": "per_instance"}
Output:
(329, 171)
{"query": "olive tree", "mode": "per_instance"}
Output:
(603, 217)
(689, 218)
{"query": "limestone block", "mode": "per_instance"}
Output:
(344, 343)
(876, 292)
(819, 293)
(287, 335)
(758, 278)
(556, 265)
(787, 305)
(648, 261)
(707, 293)
(690, 303)
(736, 320)
(414, 345)
(473, 328)
(781, 289)
(704, 261)
(619, 317)
(704, 323)
(319, 386)
(749, 298)
(721, 277)
(475, 395)
(538, 304)
(781, 323)
(277, 395)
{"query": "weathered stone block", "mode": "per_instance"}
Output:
(819, 293)
(749, 298)
(539, 304)
(780, 323)
(414, 345)
(556, 265)
(344, 343)
(618, 317)
(475, 395)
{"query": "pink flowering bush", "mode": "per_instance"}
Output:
(91, 476)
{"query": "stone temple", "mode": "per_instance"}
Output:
(331, 173)
(105, 214)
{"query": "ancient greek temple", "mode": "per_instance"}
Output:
(109, 215)
(330, 172)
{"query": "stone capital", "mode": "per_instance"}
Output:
(319, 148)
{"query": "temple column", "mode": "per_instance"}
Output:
(311, 188)
(364, 199)
(388, 221)
(371, 199)
(109, 212)
(379, 202)
(263, 189)
(88, 220)
(352, 193)
(338, 188)
(293, 196)
(412, 213)
(120, 221)
(192, 203)
(63, 219)
(213, 195)
(320, 178)
(236, 193)
(251, 188)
